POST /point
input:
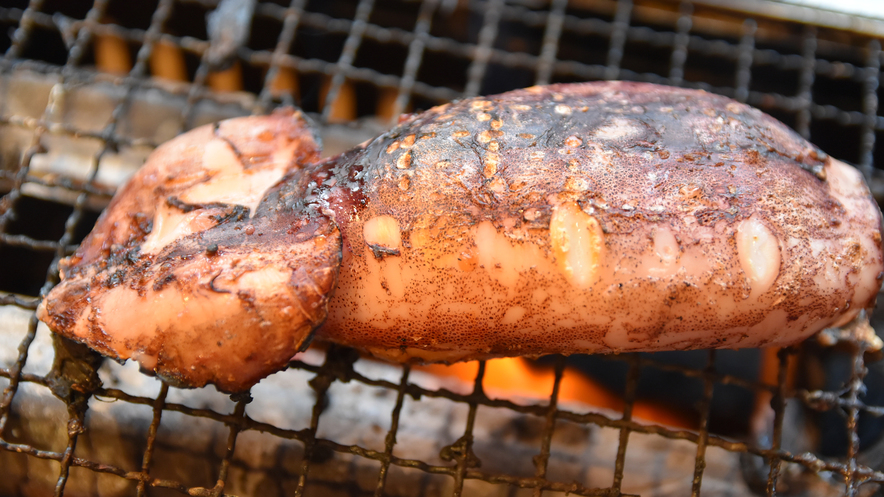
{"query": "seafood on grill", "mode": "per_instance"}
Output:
(597, 217)
(200, 268)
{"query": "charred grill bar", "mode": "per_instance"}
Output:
(811, 72)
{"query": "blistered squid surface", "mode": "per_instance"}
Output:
(594, 218)
(205, 268)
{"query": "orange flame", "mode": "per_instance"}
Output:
(518, 377)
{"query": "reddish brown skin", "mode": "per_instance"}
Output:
(232, 353)
(757, 165)
(721, 161)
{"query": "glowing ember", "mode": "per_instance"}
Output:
(519, 377)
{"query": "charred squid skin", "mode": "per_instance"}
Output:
(599, 217)
(207, 267)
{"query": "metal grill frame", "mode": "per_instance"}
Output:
(680, 41)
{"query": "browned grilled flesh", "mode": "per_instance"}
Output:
(205, 268)
(599, 217)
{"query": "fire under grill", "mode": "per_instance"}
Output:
(88, 89)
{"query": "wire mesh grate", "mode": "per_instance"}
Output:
(334, 60)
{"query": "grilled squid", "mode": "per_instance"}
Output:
(584, 218)
(203, 267)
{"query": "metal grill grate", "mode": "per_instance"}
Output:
(367, 61)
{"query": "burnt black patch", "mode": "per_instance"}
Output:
(380, 251)
(162, 282)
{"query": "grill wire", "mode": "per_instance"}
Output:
(480, 56)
